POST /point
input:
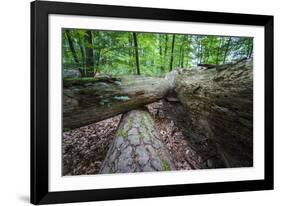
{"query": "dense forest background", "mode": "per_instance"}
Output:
(150, 54)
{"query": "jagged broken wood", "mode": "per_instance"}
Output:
(137, 146)
(88, 100)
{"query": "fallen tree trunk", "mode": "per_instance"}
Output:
(220, 67)
(136, 147)
(88, 100)
(218, 114)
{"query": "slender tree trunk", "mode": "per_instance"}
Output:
(83, 70)
(130, 49)
(89, 50)
(188, 49)
(136, 52)
(160, 53)
(250, 48)
(226, 49)
(200, 50)
(182, 57)
(209, 51)
(179, 62)
(98, 57)
(172, 53)
(251, 51)
(71, 46)
(218, 52)
(197, 50)
(165, 50)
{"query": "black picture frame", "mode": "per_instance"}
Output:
(39, 102)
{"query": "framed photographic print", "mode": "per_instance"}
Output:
(131, 102)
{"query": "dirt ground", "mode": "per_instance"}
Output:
(85, 148)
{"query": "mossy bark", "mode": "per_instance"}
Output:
(88, 100)
(137, 146)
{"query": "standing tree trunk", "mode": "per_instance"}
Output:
(165, 50)
(209, 53)
(83, 70)
(218, 51)
(172, 52)
(137, 147)
(182, 52)
(250, 48)
(226, 49)
(160, 54)
(188, 41)
(89, 50)
(136, 52)
(71, 46)
(130, 53)
(200, 52)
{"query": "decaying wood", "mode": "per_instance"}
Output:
(88, 100)
(218, 111)
(221, 67)
(136, 146)
(208, 66)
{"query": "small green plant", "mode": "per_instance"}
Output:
(165, 165)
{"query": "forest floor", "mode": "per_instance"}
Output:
(85, 148)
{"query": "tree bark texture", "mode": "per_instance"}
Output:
(137, 146)
(218, 112)
(88, 100)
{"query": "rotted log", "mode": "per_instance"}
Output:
(218, 112)
(137, 146)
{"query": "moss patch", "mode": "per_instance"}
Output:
(166, 166)
(123, 133)
(142, 121)
(141, 135)
(131, 122)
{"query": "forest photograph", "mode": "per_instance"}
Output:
(148, 102)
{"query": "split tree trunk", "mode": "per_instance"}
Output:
(137, 146)
(88, 100)
(218, 112)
